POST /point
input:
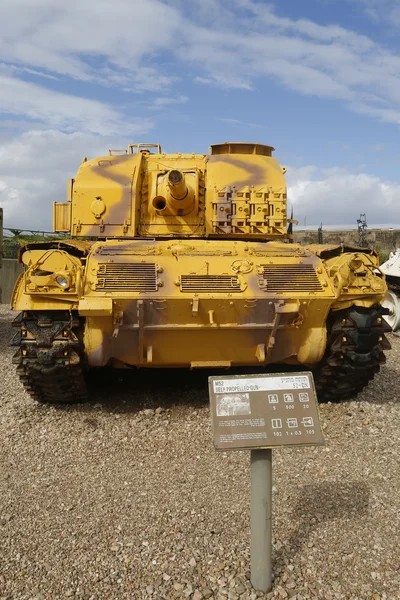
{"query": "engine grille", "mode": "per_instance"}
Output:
(210, 283)
(127, 277)
(289, 278)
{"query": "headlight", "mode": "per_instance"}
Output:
(63, 280)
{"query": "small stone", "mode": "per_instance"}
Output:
(148, 412)
(240, 588)
(149, 590)
(97, 405)
(38, 597)
(178, 587)
(197, 595)
(192, 562)
(69, 593)
(207, 593)
(159, 410)
(166, 577)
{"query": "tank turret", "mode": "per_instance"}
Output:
(236, 191)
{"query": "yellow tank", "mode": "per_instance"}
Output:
(187, 260)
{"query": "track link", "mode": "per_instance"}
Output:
(356, 341)
(49, 356)
(393, 283)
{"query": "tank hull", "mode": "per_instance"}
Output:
(214, 305)
(197, 304)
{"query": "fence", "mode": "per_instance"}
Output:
(385, 239)
(9, 273)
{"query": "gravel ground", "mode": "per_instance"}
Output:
(125, 497)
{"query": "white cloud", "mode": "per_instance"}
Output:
(224, 81)
(380, 10)
(62, 111)
(337, 196)
(325, 61)
(66, 39)
(14, 69)
(230, 44)
(34, 168)
(164, 101)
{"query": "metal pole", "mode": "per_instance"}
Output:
(260, 519)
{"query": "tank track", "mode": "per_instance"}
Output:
(49, 358)
(356, 340)
(393, 283)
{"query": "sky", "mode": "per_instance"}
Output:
(318, 79)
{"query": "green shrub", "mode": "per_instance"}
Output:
(383, 254)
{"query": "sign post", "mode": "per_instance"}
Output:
(261, 519)
(259, 413)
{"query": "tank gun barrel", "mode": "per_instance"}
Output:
(178, 195)
(177, 185)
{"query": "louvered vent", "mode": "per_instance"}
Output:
(210, 283)
(127, 277)
(289, 278)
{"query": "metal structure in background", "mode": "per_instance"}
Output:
(17, 232)
(14, 238)
(362, 231)
(320, 235)
(185, 260)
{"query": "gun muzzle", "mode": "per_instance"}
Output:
(177, 185)
(178, 196)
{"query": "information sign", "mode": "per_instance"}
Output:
(261, 412)
(264, 411)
